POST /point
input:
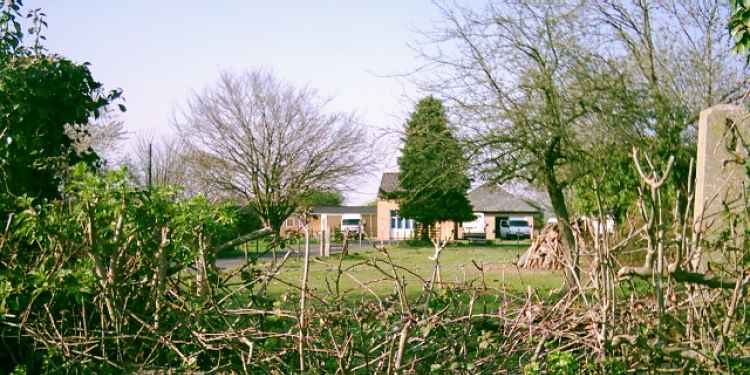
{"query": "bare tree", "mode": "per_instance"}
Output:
(103, 135)
(269, 143)
(707, 71)
(680, 50)
(527, 92)
(160, 162)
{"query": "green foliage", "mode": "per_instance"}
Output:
(561, 363)
(106, 242)
(616, 189)
(532, 368)
(41, 94)
(104, 280)
(620, 113)
(241, 220)
(739, 25)
(433, 168)
(11, 34)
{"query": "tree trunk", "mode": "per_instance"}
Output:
(275, 241)
(345, 243)
(557, 198)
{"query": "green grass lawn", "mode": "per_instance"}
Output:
(362, 278)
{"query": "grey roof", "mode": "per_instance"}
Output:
(343, 210)
(486, 198)
(388, 183)
(492, 198)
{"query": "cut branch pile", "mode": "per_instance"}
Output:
(546, 251)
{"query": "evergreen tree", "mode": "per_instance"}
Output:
(433, 180)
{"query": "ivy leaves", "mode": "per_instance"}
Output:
(739, 26)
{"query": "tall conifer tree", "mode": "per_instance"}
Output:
(433, 176)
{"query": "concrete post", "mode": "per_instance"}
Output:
(322, 242)
(720, 175)
(327, 247)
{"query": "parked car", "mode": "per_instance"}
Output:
(515, 228)
(352, 223)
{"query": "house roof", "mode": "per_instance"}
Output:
(388, 183)
(492, 198)
(337, 210)
(486, 198)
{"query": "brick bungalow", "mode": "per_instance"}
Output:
(492, 205)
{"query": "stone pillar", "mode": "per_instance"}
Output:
(720, 175)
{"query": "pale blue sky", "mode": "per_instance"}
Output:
(159, 51)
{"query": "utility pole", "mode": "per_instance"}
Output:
(150, 154)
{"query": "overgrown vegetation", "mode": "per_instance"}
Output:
(118, 280)
(99, 275)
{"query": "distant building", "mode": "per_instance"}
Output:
(495, 206)
(492, 205)
(332, 217)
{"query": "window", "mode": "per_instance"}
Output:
(350, 222)
(519, 223)
(398, 222)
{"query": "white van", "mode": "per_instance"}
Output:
(351, 222)
(515, 228)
